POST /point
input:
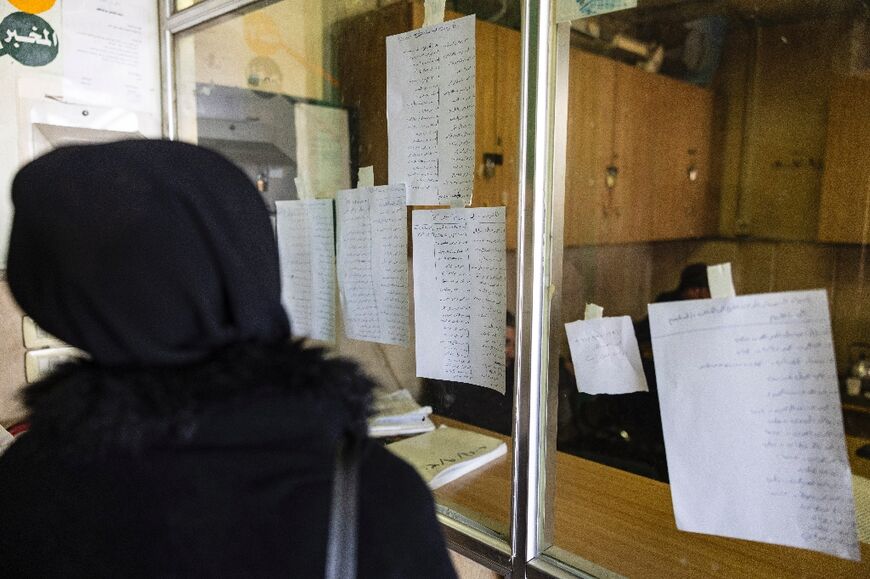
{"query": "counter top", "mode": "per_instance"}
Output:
(625, 523)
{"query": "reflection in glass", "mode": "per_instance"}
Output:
(699, 134)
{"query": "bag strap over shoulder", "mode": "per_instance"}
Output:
(341, 547)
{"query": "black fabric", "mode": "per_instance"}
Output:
(221, 469)
(197, 441)
(144, 252)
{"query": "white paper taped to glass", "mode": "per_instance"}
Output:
(431, 112)
(306, 251)
(752, 422)
(372, 240)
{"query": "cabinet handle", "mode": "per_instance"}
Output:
(610, 174)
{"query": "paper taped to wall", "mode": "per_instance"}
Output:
(606, 356)
(431, 111)
(460, 295)
(306, 250)
(752, 422)
(373, 263)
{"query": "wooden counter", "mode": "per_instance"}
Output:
(625, 523)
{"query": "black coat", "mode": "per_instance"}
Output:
(219, 470)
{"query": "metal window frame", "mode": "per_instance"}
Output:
(541, 184)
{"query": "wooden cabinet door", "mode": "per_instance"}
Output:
(637, 152)
(662, 147)
(486, 189)
(843, 212)
(681, 117)
(507, 123)
(593, 213)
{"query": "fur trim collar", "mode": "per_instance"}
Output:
(87, 408)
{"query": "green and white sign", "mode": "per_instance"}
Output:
(28, 39)
(567, 10)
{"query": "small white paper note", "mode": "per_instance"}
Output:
(593, 312)
(720, 281)
(366, 177)
(605, 356)
(306, 251)
(373, 263)
(752, 422)
(567, 10)
(460, 295)
(431, 112)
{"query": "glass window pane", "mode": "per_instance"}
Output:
(703, 134)
(243, 83)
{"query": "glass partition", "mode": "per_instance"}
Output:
(297, 90)
(705, 133)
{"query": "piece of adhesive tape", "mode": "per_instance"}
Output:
(365, 177)
(457, 203)
(593, 312)
(720, 281)
(434, 12)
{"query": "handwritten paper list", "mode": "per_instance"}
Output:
(606, 356)
(307, 258)
(431, 112)
(373, 263)
(751, 419)
(460, 295)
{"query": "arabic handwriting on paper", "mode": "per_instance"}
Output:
(373, 263)
(751, 418)
(306, 253)
(606, 356)
(460, 295)
(28, 39)
(431, 111)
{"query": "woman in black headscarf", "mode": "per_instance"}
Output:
(196, 439)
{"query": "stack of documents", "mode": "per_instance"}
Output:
(398, 413)
(445, 454)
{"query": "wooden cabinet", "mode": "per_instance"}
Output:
(638, 155)
(362, 77)
(843, 215)
(652, 131)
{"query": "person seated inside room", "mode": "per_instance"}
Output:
(624, 430)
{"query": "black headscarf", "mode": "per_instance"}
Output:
(144, 253)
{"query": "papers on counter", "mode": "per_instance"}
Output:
(373, 263)
(752, 422)
(445, 454)
(605, 356)
(306, 252)
(431, 112)
(398, 413)
(460, 295)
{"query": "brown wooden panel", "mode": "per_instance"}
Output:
(507, 110)
(844, 214)
(592, 214)
(362, 73)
